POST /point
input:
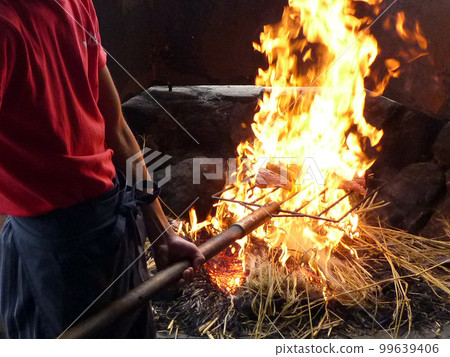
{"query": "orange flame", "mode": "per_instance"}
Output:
(417, 46)
(320, 44)
(408, 35)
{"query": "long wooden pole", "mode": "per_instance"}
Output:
(141, 295)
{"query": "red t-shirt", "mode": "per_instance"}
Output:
(52, 134)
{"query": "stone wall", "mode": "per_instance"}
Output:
(210, 42)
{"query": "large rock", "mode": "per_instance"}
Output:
(408, 138)
(217, 117)
(378, 110)
(412, 194)
(447, 180)
(439, 224)
(441, 147)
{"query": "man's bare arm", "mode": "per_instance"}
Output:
(120, 138)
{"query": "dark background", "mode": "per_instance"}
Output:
(210, 42)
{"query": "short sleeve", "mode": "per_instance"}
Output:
(7, 57)
(102, 56)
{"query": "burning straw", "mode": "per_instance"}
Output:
(396, 277)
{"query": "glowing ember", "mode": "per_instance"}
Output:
(321, 44)
(231, 275)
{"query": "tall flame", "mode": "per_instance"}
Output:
(320, 44)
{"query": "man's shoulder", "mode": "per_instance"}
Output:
(9, 19)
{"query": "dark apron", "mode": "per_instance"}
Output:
(54, 266)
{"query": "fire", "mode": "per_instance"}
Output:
(320, 44)
(416, 49)
(408, 35)
(231, 274)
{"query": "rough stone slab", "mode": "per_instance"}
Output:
(441, 147)
(408, 138)
(436, 227)
(447, 180)
(378, 110)
(440, 220)
(214, 116)
(412, 194)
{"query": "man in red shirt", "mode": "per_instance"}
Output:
(71, 229)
